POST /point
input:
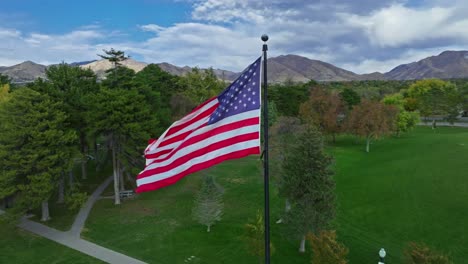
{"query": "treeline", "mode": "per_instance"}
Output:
(50, 126)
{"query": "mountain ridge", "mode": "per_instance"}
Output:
(290, 67)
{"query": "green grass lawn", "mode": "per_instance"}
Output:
(21, 247)
(411, 188)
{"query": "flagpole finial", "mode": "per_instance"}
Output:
(265, 37)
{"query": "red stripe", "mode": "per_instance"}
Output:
(212, 132)
(171, 180)
(199, 152)
(155, 155)
(194, 119)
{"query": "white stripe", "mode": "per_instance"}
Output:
(213, 154)
(224, 121)
(227, 120)
(203, 143)
(196, 113)
(185, 119)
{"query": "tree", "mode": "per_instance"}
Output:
(435, 97)
(208, 203)
(200, 85)
(289, 96)
(158, 87)
(405, 120)
(36, 146)
(72, 86)
(280, 135)
(417, 253)
(254, 237)
(123, 117)
(114, 56)
(371, 120)
(325, 248)
(350, 97)
(323, 109)
(4, 79)
(307, 182)
(4, 93)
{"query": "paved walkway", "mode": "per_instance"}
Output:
(80, 219)
(72, 238)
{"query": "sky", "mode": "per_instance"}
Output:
(362, 36)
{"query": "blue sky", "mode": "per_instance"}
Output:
(359, 35)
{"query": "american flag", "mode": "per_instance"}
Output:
(222, 128)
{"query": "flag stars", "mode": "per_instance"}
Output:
(253, 102)
(245, 105)
(248, 99)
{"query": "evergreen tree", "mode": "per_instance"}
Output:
(209, 205)
(72, 86)
(122, 116)
(36, 146)
(114, 56)
(308, 184)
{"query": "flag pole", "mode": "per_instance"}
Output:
(265, 152)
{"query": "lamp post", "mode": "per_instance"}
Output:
(382, 255)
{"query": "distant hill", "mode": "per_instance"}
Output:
(302, 69)
(26, 71)
(101, 66)
(446, 65)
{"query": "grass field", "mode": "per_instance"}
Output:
(21, 247)
(411, 188)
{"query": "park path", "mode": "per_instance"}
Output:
(456, 124)
(72, 238)
(81, 217)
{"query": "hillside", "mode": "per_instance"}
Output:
(448, 64)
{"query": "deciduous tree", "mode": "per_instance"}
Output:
(371, 120)
(326, 249)
(323, 109)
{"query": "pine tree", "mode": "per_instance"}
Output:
(308, 184)
(208, 203)
(36, 146)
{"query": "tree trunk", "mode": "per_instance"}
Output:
(287, 206)
(208, 229)
(302, 245)
(433, 123)
(45, 211)
(61, 190)
(116, 176)
(84, 174)
(334, 137)
(84, 152)
(367, 144)
(121, 177)
(70, 178)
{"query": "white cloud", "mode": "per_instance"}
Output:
(151, 28)
(399, 25)
(77, 45)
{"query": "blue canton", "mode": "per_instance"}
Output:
(241, 96)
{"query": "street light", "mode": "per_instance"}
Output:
(382, 255)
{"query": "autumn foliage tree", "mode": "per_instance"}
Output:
(323, 109)
(417, 253)
(326, 249)
(372, 120)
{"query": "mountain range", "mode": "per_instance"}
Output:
(447, 65)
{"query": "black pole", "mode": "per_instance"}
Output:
(265, 152)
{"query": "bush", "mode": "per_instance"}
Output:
(421, 254)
